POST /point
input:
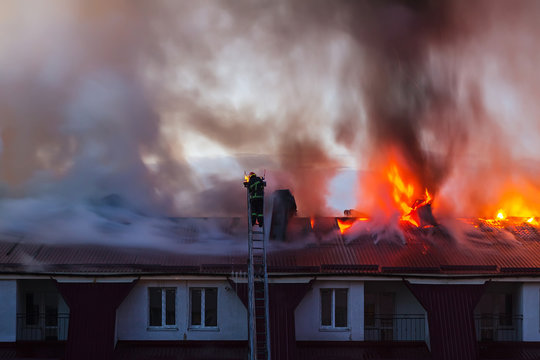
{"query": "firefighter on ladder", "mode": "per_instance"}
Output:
(255, 187)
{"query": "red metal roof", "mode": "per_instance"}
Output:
(463, 248)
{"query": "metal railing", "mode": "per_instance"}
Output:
(498, 327)
(394, 327)
(42, 326)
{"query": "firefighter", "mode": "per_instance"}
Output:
(256, 198)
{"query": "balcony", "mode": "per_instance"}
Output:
(498, 327)
(42, 327)
(395, 327)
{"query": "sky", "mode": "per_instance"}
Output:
(167, 103)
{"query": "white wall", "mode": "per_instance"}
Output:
(308, 314)
(530, 298)
(132, 314)
(8, 310)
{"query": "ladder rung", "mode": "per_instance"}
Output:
(257, 232)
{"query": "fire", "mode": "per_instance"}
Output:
(344, 225)
(403, 195)
(515, 207)
(312, 221)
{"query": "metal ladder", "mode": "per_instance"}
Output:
(258, 315)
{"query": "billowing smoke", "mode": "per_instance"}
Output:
(447, 89)
(134, 99)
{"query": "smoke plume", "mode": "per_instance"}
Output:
(166, 103)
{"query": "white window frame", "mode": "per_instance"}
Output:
(163, 308)
(332, 325)
(202, 325)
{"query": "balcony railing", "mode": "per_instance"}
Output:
(42, 327)
(498, 327)
(395, 327)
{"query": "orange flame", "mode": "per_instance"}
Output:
(344, 225)
(312, 221)
(403, 195)
(516, 204)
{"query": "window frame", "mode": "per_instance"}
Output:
(164, 325)
(202, 325)
(332, 326)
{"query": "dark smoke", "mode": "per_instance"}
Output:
(136, 99)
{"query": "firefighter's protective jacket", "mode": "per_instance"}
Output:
(256, 188)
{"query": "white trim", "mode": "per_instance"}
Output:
(111, 278)
(276, 280)
(184, 278)
(62, 279)
(447, 281)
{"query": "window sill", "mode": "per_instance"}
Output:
(345, 329)
(152, 328)
(207, 328)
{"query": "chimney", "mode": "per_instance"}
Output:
(283, 209)
(423, 215)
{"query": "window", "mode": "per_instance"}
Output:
(162, 307)
(334, 308)
(203, 303)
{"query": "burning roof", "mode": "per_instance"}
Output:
(463, 248)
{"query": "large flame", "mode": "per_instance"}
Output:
(345, 224)
(403, 194)
(515, 204)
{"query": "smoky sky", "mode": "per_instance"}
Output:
(115, 97)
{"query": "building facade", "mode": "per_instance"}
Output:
(337, 298)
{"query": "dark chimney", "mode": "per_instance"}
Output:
(424, 216)
(283, 208)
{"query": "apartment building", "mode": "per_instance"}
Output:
(412, 293)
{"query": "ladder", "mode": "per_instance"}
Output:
(258, 326)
